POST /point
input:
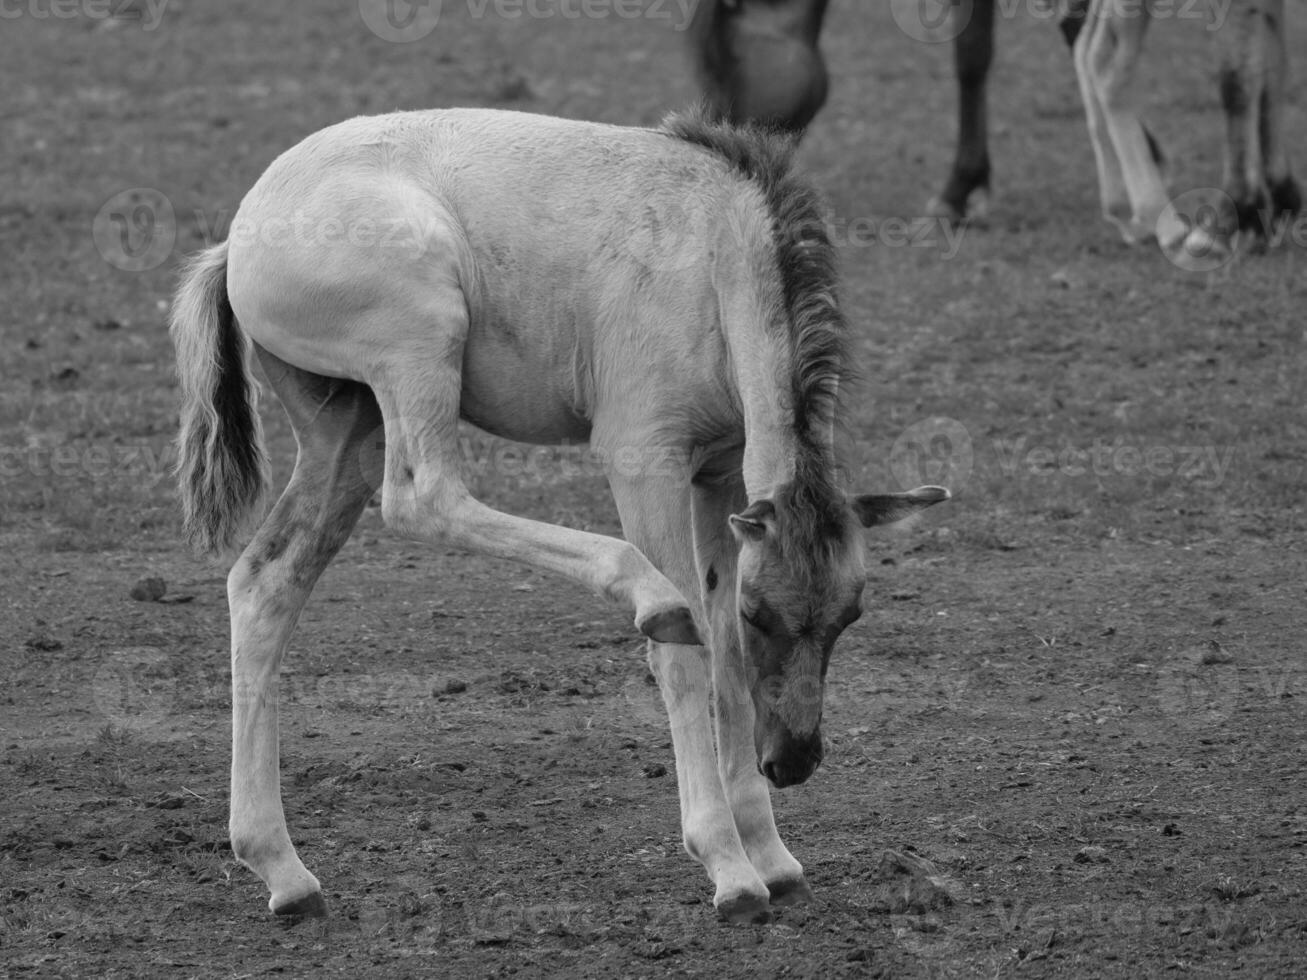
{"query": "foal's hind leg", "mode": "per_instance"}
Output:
(267, 589)
(747, 790)
(655, 514)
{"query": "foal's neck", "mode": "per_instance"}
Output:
(772, 443)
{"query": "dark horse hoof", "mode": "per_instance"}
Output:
(310, 906)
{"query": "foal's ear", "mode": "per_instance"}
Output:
(751, 523)
(873, 509)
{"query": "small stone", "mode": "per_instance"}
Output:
(909, 883)
(455, 687)
(1065, 278)
(149, 589)
(1091, 854)
(1215, 654)
(653, 770)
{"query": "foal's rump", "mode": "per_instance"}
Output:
(547, 239)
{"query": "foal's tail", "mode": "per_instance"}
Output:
(221, 466)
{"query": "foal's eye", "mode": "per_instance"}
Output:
(752, 618)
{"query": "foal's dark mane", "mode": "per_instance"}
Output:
(817, 334)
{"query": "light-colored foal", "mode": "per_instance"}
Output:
(669, 294)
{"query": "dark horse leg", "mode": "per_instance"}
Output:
(759, 61)
(973, 51)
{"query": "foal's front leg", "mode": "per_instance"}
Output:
(747, 790)
(654, 517)
(419, 388)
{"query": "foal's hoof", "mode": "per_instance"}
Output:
(744, 910)
(310, 906)
(791, 891)
(674, 625)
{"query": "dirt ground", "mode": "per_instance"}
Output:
(1078, 696)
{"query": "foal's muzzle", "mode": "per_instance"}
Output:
(788, 761)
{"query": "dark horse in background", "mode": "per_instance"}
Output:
(759, 60)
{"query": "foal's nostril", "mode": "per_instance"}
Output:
(793, 765)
